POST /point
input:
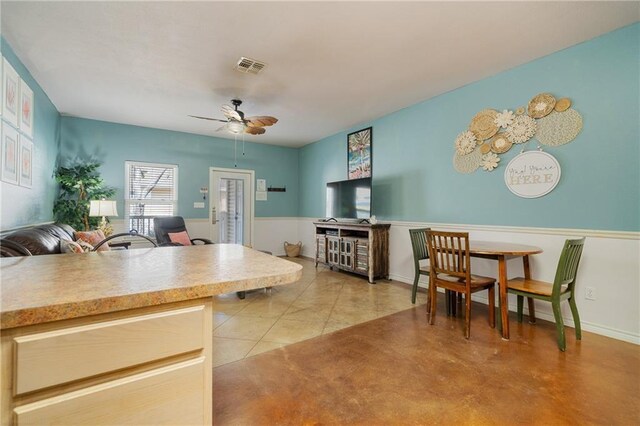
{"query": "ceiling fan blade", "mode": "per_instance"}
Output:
(208, 118)
(261, 121)
(229, 112)
(254, 130)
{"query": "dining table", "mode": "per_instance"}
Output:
(503, 251)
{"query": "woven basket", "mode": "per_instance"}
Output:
(292, 250)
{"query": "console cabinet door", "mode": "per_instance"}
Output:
(346, 253)
(361, 258)
(333, 250)
(321, 249)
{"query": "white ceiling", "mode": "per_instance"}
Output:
(330, 65)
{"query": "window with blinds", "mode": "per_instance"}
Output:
(150, 190)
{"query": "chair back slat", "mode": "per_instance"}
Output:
(568, 264)
(419, 243)
(449, 253)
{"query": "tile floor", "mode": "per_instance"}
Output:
(321, 302)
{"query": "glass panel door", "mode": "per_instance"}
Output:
(231, 214)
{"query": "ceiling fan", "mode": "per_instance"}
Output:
(236, 122)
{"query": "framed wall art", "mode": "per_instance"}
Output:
(26, 109)
(26, 162)
(9, 146)
(359, 153)
(10, 92)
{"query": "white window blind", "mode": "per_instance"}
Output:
(150, 190)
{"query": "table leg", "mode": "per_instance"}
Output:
(504, 301)
(530, 300)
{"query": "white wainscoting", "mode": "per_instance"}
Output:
(610, 264)
(270, 233)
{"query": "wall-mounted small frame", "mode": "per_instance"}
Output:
(10, 167)
(26, 109)
(11, 94)
(26, 162)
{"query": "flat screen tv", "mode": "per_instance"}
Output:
(349, 199)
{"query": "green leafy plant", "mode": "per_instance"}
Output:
(79, 184)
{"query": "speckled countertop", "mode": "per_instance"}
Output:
(41, 289)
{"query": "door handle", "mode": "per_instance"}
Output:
(214, 219)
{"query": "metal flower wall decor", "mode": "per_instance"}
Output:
(492, 133)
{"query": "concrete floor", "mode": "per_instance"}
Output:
(397, 369)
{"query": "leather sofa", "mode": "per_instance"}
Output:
(42, 239)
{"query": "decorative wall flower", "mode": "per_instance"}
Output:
(521, 129)
(504, 118)
(465, 142)
(490, 161)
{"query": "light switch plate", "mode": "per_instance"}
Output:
(198, 205)
(261, 185)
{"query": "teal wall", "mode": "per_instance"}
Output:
(113, 144)
(24, 206)
(414, 179)
(413, 175)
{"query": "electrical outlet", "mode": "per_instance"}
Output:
(590, 293)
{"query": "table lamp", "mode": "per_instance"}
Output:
(103, 208)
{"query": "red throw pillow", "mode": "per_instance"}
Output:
(93, 238)
(180, 237)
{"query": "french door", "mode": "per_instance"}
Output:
(231, 206)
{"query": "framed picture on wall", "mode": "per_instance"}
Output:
(9, 165)
(10, 92)
(359, 153)
(26, 109)
(26, 162)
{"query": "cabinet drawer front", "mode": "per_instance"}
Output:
(171, 395)
(61, 356)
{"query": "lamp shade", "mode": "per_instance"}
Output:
(103, 208)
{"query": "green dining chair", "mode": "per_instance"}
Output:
(563, 287)
(420, 252)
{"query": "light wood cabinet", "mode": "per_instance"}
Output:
(143, 366)
(359, 248)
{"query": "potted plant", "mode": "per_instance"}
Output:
(79, 184)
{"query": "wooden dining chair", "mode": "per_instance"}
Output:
(420, 252)
(563, 287)
(451, 269)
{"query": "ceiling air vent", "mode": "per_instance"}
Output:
(251, 66)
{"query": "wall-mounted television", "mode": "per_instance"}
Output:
(349, 199)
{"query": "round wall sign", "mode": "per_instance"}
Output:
(532, 174)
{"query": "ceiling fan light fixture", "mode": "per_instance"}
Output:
(236, 127)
